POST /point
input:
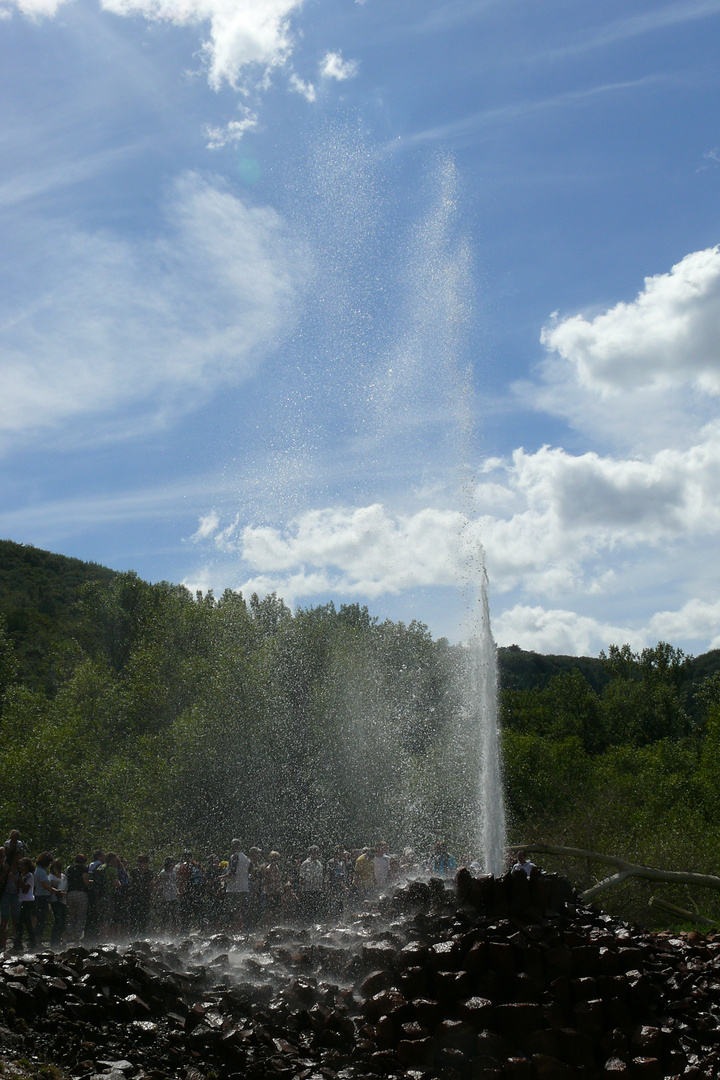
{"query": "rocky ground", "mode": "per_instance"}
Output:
(484, 980)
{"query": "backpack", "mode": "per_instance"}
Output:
(197, 878)
(99, 882)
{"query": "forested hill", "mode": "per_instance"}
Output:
(39, 594)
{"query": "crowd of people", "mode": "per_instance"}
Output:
(106, 898)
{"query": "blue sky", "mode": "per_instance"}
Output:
(322, 297)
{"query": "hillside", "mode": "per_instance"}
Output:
(38, 598)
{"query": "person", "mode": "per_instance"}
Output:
(256, 900)
(141, 883)
(190, 885)
(9, 896)
(364, 874)
(336, 882)
(272, 884)
(381, 861)
(289, 903)
(523, 863)
(443, 863)
(79, 884)
(58, 906)
(237, 886)
(120, 914)
(409, 865)
(106, 883)
(168, 889)
(14, 845)
(311, 882)
(96, 893)
(43, 892)
(214, 895)
(26, 893)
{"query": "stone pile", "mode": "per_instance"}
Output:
(491, 979)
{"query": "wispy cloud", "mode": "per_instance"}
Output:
(660, 18)
(28, 184)
(232, 132)
(98, 322)
(299, 86)
(517, 111)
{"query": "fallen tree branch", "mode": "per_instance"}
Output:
(673, 909)
(626, 870)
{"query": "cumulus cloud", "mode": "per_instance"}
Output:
(557, 630)
(560, 632)
(362, 550)
(332, 66)
(305, 88)
(244, 35)
(546, 524)
(551, 524)
(95, 322)
(667, 336)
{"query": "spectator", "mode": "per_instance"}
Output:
(311, 882)
(443, 864)
(95, 896)
(381, 861)
(289, 904)
(9, 892)
(14, 845)
(336, 882)
(237, 887)
(168, 889)
(43, 893)
(26, 891)
(141, 883)
(256, 900)
(272, 886)
(523, 863)
(58, 904)
(190, 884)
(79, 884)
(364, 874)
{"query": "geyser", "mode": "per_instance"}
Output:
(375, 399)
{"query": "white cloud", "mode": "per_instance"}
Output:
(232, 132)
(560, 632)
(94, 322)
(208, 527)
(332, 66)
(244, 34)
(305, 88)
(668, 336)
(556, 630)
(696, 620)
(366, 549)
(548, 524)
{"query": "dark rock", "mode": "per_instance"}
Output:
(417, 1053)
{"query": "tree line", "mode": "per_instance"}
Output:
(154, 719)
